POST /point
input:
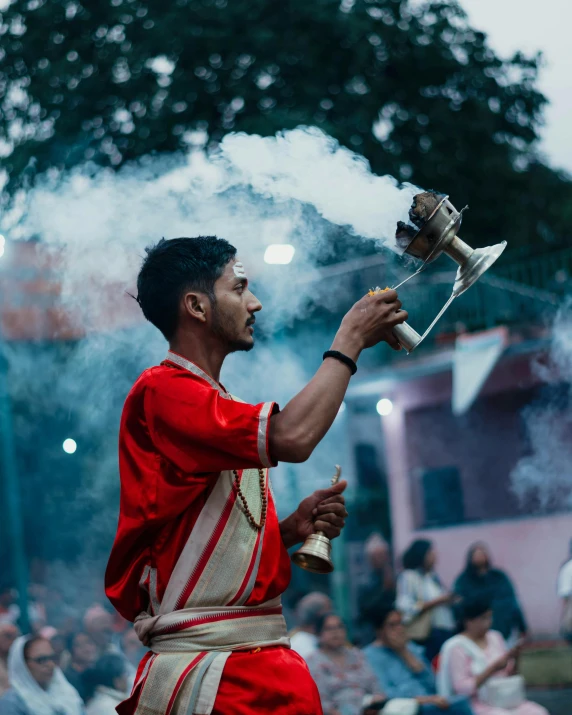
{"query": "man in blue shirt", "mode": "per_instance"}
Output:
(402, 669)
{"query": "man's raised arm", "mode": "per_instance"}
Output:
(301, 425)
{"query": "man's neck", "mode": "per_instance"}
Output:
(401, 652)
(207, 354)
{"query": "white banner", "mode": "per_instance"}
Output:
(476, 354)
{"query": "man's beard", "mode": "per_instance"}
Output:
(225, 329)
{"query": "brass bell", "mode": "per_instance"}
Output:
(315, 553)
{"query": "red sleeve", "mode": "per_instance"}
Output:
(197, 429)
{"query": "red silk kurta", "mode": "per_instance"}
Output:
(178, 431)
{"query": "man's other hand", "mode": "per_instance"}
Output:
(324, 510)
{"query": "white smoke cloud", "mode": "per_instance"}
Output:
(253, 191)
(546, 472)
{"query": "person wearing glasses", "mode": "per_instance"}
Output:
(37, 685)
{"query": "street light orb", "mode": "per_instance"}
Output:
(384, 407)
(69, 445)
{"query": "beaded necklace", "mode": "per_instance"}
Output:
(262, 484)
(191, 367)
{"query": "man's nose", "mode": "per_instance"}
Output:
(254, 305)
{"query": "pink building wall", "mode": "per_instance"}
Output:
(530, 549)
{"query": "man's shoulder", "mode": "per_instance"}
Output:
(167, 378)
(377, 652)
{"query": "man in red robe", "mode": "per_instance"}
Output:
(200, 561)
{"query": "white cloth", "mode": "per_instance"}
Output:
(565, 580)
(104, 701)
(499, 692)
(415, 588)
(59, 698)
(304, 643)
(478, 663)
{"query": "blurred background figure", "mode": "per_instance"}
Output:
(37, 685)
(424, 603)
(82, 655)
(8, 634)
(346, 683)
(107, 685)
(402, 669)
(481, 581)
(131, 647)
(380, 586)
(303, 638)
(9, 611)
(98, 624)
(473, 662)
(565, 594)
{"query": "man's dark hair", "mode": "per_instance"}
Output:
(320, 621)
(174, 266)
(379, 612)
(70, 639)
(414, 557)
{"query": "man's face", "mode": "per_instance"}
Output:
(84, 650)
(234, 308)
(393, 633)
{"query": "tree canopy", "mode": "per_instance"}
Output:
(415, 89)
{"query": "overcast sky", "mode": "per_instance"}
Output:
(530, 26)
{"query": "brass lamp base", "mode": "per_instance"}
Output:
(315, 554)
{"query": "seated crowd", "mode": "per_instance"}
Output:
(426, 650)
(423, 649)
(82, 672)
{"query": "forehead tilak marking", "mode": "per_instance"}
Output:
(239, 270)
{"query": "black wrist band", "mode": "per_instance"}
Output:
(342, 358)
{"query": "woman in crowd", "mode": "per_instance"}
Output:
(477, 663)
(424, 603)
(107, 685)
(346, 683)
(37, 685)
(481, 581)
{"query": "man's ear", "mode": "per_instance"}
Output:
(196, 306)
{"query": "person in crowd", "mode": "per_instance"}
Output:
(481, 581)
(8, 634)
(83, 654)
(401, 667)
(59, 644)
(98, 624)
(37, 615)
(380, 586)
(303, 638)
(37, 685)
(107, 685)
(9, 611)
(131, 647)
(473, 661)
(565, 594)
(424, 603)
(346, 683)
